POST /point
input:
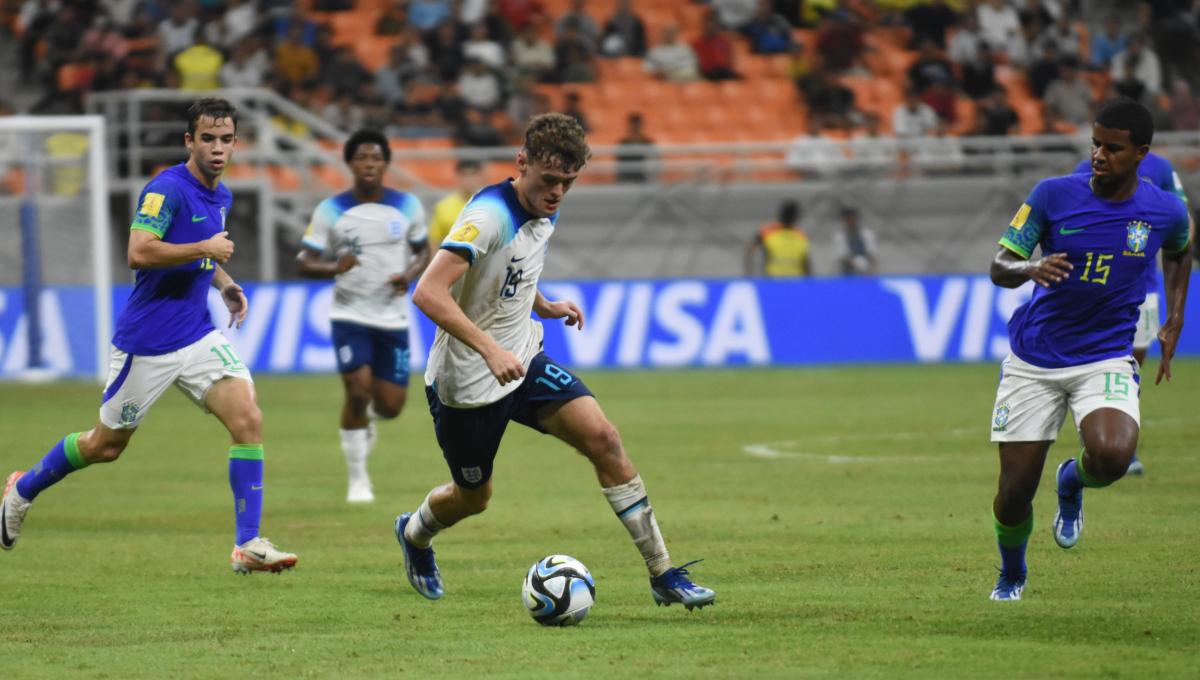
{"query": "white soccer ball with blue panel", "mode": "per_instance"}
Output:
(558, 591)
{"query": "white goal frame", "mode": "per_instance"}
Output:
(97, 183)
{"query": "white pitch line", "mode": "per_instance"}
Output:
(770, 450)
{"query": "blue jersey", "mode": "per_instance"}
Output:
(1159, 172)
(1092, 315)
(168, 308)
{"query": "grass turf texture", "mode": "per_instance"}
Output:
(875, 566)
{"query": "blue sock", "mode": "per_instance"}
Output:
(246, 481)
(1012, 542)
(62, 460)
(1069, 483)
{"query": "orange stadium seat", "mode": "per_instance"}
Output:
(284, 178)
(331, 177)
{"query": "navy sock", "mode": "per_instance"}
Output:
(61, 461)
(246, 481)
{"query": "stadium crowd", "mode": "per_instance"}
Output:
(476, 70)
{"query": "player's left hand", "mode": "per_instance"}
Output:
(1168, 337)
(235, 300)
(560, 309)
(399, 283)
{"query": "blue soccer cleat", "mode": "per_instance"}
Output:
(422, 571)
(1068, 521)
(674, 586)
(1009, 587)
(1135, 467)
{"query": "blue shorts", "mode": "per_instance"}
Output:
(470, 437)
(385, 351)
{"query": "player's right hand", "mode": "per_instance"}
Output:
(504, 366)
(219, 247)
(346, 262)
(1050, 270)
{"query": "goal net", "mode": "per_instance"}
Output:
(55, 271)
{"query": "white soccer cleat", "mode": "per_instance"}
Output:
(360, 492)
(259, 554)
(12, 512)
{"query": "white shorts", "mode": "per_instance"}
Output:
(1032, 402)
(1147, 328)
(136, 382)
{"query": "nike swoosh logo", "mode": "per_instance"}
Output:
(258, 555)
(4, 539)
(199, 218)
(256, 488)
(518, 259)
(1063, 231)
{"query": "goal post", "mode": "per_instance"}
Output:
(54, 185)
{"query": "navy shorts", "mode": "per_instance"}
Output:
(470, 437)
(385, 351)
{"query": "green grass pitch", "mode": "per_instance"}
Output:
(862, 549)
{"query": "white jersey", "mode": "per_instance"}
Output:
(507, 249)
(382, 236)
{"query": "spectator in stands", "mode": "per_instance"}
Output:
(498, 27)
(573, 107)
(624, 33)
(343, 112)
(468, 178)
(1128, 84)
(941, 97)
(966, 41)
(104, 39)
(585, 27)
(1065, 36)
(854, 245)
(1185, 110)
(734, 14)
(480, 46)
(1035, 11)
(294, 60)
(930, 67)
(479, 130)
(445, 53)
(34, 18)
(524, 102)
(999, 24)
(480, 88)
(1146, 67)
(979, 74)
(830, 103)
(390, 78)
(995, 117)
(841, 41)
(394, 19)
(634, 152)
(930, 21)
(799, 65)
(532, 56)
(571, 49)
(913, 117)
(768, 32)
(785, 248)
(323, 44)
(427, 15)
(1068, 100)
(473, 11)
(1043, 70)
(576, 65)
(520, 13)
(239, 20)
(714, 52)
(345, 74)
(294, 16)
(179, 32)
(671, 59)
(199, 66)
(247, 68)
(1107, 44)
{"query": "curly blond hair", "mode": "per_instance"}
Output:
(558, 141)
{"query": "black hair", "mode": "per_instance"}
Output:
(366, 136)
(789, 212)
(1126, 114)
(210, 107)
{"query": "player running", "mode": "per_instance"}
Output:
(165, 336)
(1072, 342)
(378, 238)
(486, 366)
(1159, 172)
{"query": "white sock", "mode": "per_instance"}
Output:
(354, 446)
(372, 432)
(423, 526)
(632, 506)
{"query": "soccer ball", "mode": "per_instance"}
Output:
(558, 591)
